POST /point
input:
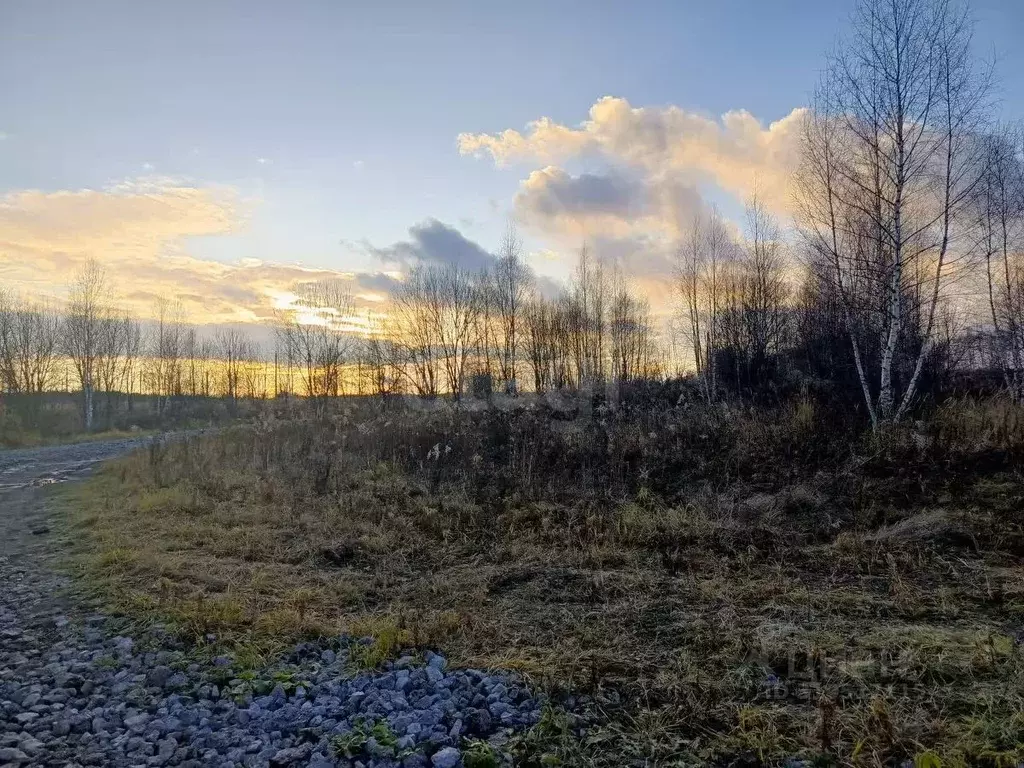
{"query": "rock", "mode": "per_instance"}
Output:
(175, 682)
(165, 747)
(288, 756)
(136, 723)
(158, 676)
(449, 757)
(31, 746)
(12, 755)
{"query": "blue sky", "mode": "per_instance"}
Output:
(336, 123)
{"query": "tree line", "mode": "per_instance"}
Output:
(447, 323)
(90, 345)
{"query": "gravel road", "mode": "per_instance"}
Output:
(57, 463)
(73, 692)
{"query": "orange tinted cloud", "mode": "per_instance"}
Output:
(138, 231)
(646, 170)
(734, 152)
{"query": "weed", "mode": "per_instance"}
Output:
(477, 753)
(353, 744)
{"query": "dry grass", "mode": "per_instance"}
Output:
(709, 626)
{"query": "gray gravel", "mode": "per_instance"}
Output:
(73, 692)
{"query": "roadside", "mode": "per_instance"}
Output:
(78, 688)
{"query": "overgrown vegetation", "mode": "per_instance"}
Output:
(690, 582)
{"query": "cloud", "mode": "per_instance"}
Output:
(734, 152)
(433, 242)
(613, 203)
(552, 192)
(139, 231)
(630, 180)
(376, 282)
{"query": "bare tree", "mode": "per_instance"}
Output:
(1000, 210)
(381, 358)
(119, 337)
(411, 337)
(133, 347)
(512, 282)
(319, 337)
(540, 336)
(453, 302)
(167, 355)
(233, 349)
(689, 270)
(764, 292)
(631, 335)
(587, 318)
(705, 281)
(87, 310)
(29, 335)
(890, 163)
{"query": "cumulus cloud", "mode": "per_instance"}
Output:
(734, 152)
(609, 204)
(553, 192)
(643, 172)
(433, 242)
(139, 232)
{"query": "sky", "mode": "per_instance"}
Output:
(220, 153)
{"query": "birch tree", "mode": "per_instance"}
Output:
(87, 309)
(1000, 210)
(890, 162)
(511, 282)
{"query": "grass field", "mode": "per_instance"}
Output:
(726, 599)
